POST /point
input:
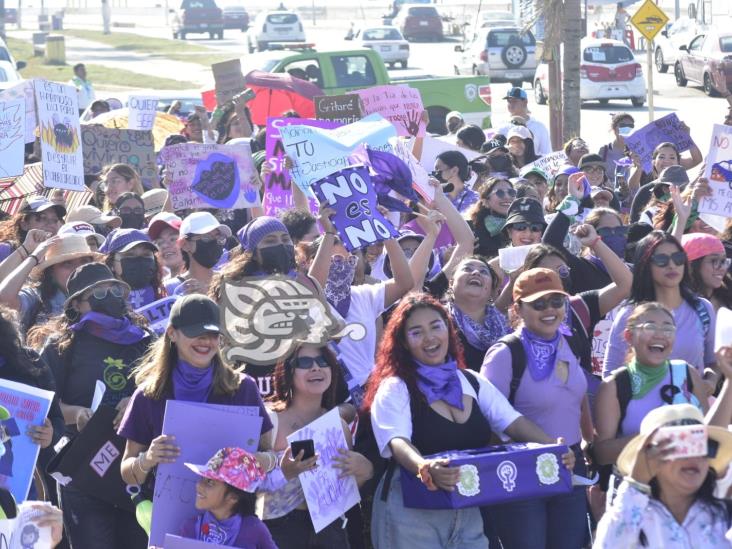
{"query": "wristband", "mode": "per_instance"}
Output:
(27, 253)
(34, 258)
(139, 462)
(594, 242)
(423, 474)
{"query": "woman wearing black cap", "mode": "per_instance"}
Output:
(99, 342)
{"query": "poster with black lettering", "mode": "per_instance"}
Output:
(58, 121)
(339, 108)
(104, 146)
(157, 313)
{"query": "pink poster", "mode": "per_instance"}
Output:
(400, 105)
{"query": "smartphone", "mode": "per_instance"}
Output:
(686, 440)
(248, 94)
(308, 445)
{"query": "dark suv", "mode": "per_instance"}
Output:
(419, 22)
(198, 17)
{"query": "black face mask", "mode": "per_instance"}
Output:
(132, 221)
(138, 272)
(207, 254)
(278, 259)
(102, 229)
(500, 164)
(437, 174)
(110, 305)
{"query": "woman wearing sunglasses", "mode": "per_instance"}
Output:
(575, 149)
(709, 268)
(487, 216)
(661, 274)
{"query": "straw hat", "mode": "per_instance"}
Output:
(93, 216)
(66, 248)
(669, 415)
(154, 200)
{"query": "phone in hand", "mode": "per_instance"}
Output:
(686, 440)
(248, 94)
(307, 445)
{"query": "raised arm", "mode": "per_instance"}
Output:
(320, 266)
(459, 228)
(401, 281)
(11, 286)
(420, 260)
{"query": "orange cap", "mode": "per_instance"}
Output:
(535, 283)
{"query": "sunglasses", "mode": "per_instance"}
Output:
(533, 227)
(554, 302)
(662, 260)
(101, 293)
(651, 329)
(613, 231)
(128, 211)
(307, 362)
(219, 240)
(503, 193)
(720, 262)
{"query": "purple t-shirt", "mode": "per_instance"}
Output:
(6, 248)
(552, 404)
(253, 533)
(691, 344)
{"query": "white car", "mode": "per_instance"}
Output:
(388, 42)
(274, 27)
(670, 40)
(497, 19)
(9, 76)
(608, 71)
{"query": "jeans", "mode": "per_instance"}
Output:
(295, 531)
(91, 523)
(394, 526)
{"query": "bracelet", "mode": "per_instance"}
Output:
(423, 474)
(31, 256)
(594, 242)
(139, 463)
(642, 488)
(27, 253)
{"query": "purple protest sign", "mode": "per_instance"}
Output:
(351, 194)
(278, 184)
(668, 128)
(399, 104)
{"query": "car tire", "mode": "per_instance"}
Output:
(250, 47)
(514, 56)
(660, 65)
(437, 124)
(404, 64)
(220, 35)
(539, 95)
(517, 84)
(679, 74)
(638, 101)
(211, 35)
(175, 35)
(709, 88)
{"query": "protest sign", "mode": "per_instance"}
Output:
(229, 80)
(12, 144)
(58, 118)
(351, 194)
(200, 431)
(668, 128)
(316, 153)
(104, 146)
(433, 147)
(718, 170)
(345, 109)
(328, 495)
(22, 532)
(399, 104)
(549, 164)
(420, 177)
(20, 406)
(157, 313)
(202, 176)
(25, 90)
(142, 112)
(177, 542)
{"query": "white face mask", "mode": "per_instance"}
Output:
(625, 131)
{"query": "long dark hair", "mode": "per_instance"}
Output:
(704, 495)
(241, 265)
(20, 363)
(246, 501)
(453, 159)
(723, 294)
(284, 386)
(477, 213)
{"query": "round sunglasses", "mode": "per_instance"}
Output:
(503, 193)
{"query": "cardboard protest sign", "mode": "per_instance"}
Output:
(200, 430)
(103, 146)
(399, 104)
(205, 176)
(420, 177)
(549, 164)
(157, 313)
(668, 128)
(20, 406)
(142, 112)
(433, 147)
(328, 495)
(12, 144)
(718, 170)
(58, 118)
(278, 185)
(25, 90)
(229, 80)
(351, 194)
(316, 152)
(345, 109)
(177, 542)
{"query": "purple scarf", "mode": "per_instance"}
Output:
(440, 382)
(190, 383)
(541, 354)
(221, 532)
(140, 298)
(481, 336)
(114, 330)
(338, 285)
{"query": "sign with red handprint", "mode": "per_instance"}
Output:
(399, 104)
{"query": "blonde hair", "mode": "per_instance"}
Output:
(128, 173)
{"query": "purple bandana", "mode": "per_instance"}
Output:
(338, 285)
(481, 336)
(541, 354)
(221, 532)
(190, 383)
(114, 330)
(140, 298)
(440, 382)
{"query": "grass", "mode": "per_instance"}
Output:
(176, 50)
(101, 75)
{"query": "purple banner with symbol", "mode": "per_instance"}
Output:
(644, 140)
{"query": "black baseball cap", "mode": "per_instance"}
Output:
(195, 315)
(525, 210)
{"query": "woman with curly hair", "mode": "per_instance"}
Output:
(487, 216)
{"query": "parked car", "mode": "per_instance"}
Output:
(670, 40)
(236, 17)
(388, 42)
(198, 17)
(497, 19)
(706, 55)
(608, 71)
(9, 75)
(417, 21)
(5, 55)
(274, 27)
(506, 54)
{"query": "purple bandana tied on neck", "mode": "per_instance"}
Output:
(220, 532)
(114, 330)
(338, 285)
(541, 354)
(190, 383)
(440, 382)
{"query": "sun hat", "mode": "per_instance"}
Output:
(535, 283)
(82, 228)
(676, 414)
(66, 248)
(38, 204)
(90, 276)
(524, 210)
(698, 245)
(122, 240)
(154, 200)
(253, 232)
(195, 315)
(160, 221)
(94, 216)
(233, 466)
(519, 131)
(202, 223)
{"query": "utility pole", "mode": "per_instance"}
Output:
(571, 103)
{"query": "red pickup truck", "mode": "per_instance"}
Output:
(198, 17)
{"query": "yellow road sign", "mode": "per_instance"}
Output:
(649, 20)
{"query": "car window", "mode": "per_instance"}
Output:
(282, 18)
(725, 44)
(500, 39)
(696, 44)
(197, 4)
(4, 55)
(306, 69)
(709, 45)
(3, 76)
(353, 70)
(420, 11)
(608, 55)
(382, 34)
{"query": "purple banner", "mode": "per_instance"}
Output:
(351, 194)
(644, 140)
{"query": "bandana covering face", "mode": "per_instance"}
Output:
(114, 330)
(541, 354)
(440, 382)
(644, 378)
(190, 383)
(481, 336)
(338, 285)
(212, 530)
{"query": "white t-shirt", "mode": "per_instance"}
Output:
(542, 143)
(391, 417)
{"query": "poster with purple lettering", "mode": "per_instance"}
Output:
(278, 184)
(202, 176)
(157, 313)
(718, 170)
(25, 90)
(12, 145)
(667, 128)
(20, 406)
(58, 118)
(328, 495)
(399, 104)
(200, 431)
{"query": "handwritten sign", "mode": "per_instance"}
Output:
(718, 170)
(103, 146)
(400, 105)
(351, 194)
(328, 496)
(142, 112)
(202, 176)
(420, 177)
(433, 147)
(345, 109)
(12, 144)
(25, 90)
(157, 313)
(229, 80)
(58, 118)
(549, 164)
(668, 128)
